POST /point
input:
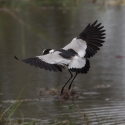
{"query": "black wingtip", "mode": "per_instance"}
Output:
(16, 58)
(94, 23)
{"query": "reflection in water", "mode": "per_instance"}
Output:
(28, 31)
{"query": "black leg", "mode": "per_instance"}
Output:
(72, 81)
(66, 82)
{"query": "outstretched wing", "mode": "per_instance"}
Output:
(51, 62)
(87, 43)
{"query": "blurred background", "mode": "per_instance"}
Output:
(29, 95)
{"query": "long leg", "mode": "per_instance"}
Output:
(66, 82)
(72, 81)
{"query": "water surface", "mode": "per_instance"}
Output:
(26, 31)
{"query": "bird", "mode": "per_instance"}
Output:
(75, 56)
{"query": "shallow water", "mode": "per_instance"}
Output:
(27, 30)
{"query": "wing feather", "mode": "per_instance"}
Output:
(93, 35)
(51, 62)
(78, 45)
(89, 41)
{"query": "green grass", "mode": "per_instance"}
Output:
(12, 108)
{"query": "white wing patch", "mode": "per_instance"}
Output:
(74, 38)
(54, 58)
(77, 62)
(78, 45)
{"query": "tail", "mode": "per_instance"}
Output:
(16, 58)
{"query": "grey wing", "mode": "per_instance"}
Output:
(51, 62)
(78, 45)
(89, 41)
(94, 36)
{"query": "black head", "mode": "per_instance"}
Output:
(47, 51)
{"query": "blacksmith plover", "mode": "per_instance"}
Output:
(75, 56)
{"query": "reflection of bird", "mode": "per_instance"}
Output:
(74, 56)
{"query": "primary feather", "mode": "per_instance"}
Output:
(52, 61)
(89, 41)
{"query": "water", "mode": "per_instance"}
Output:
(27, 30)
